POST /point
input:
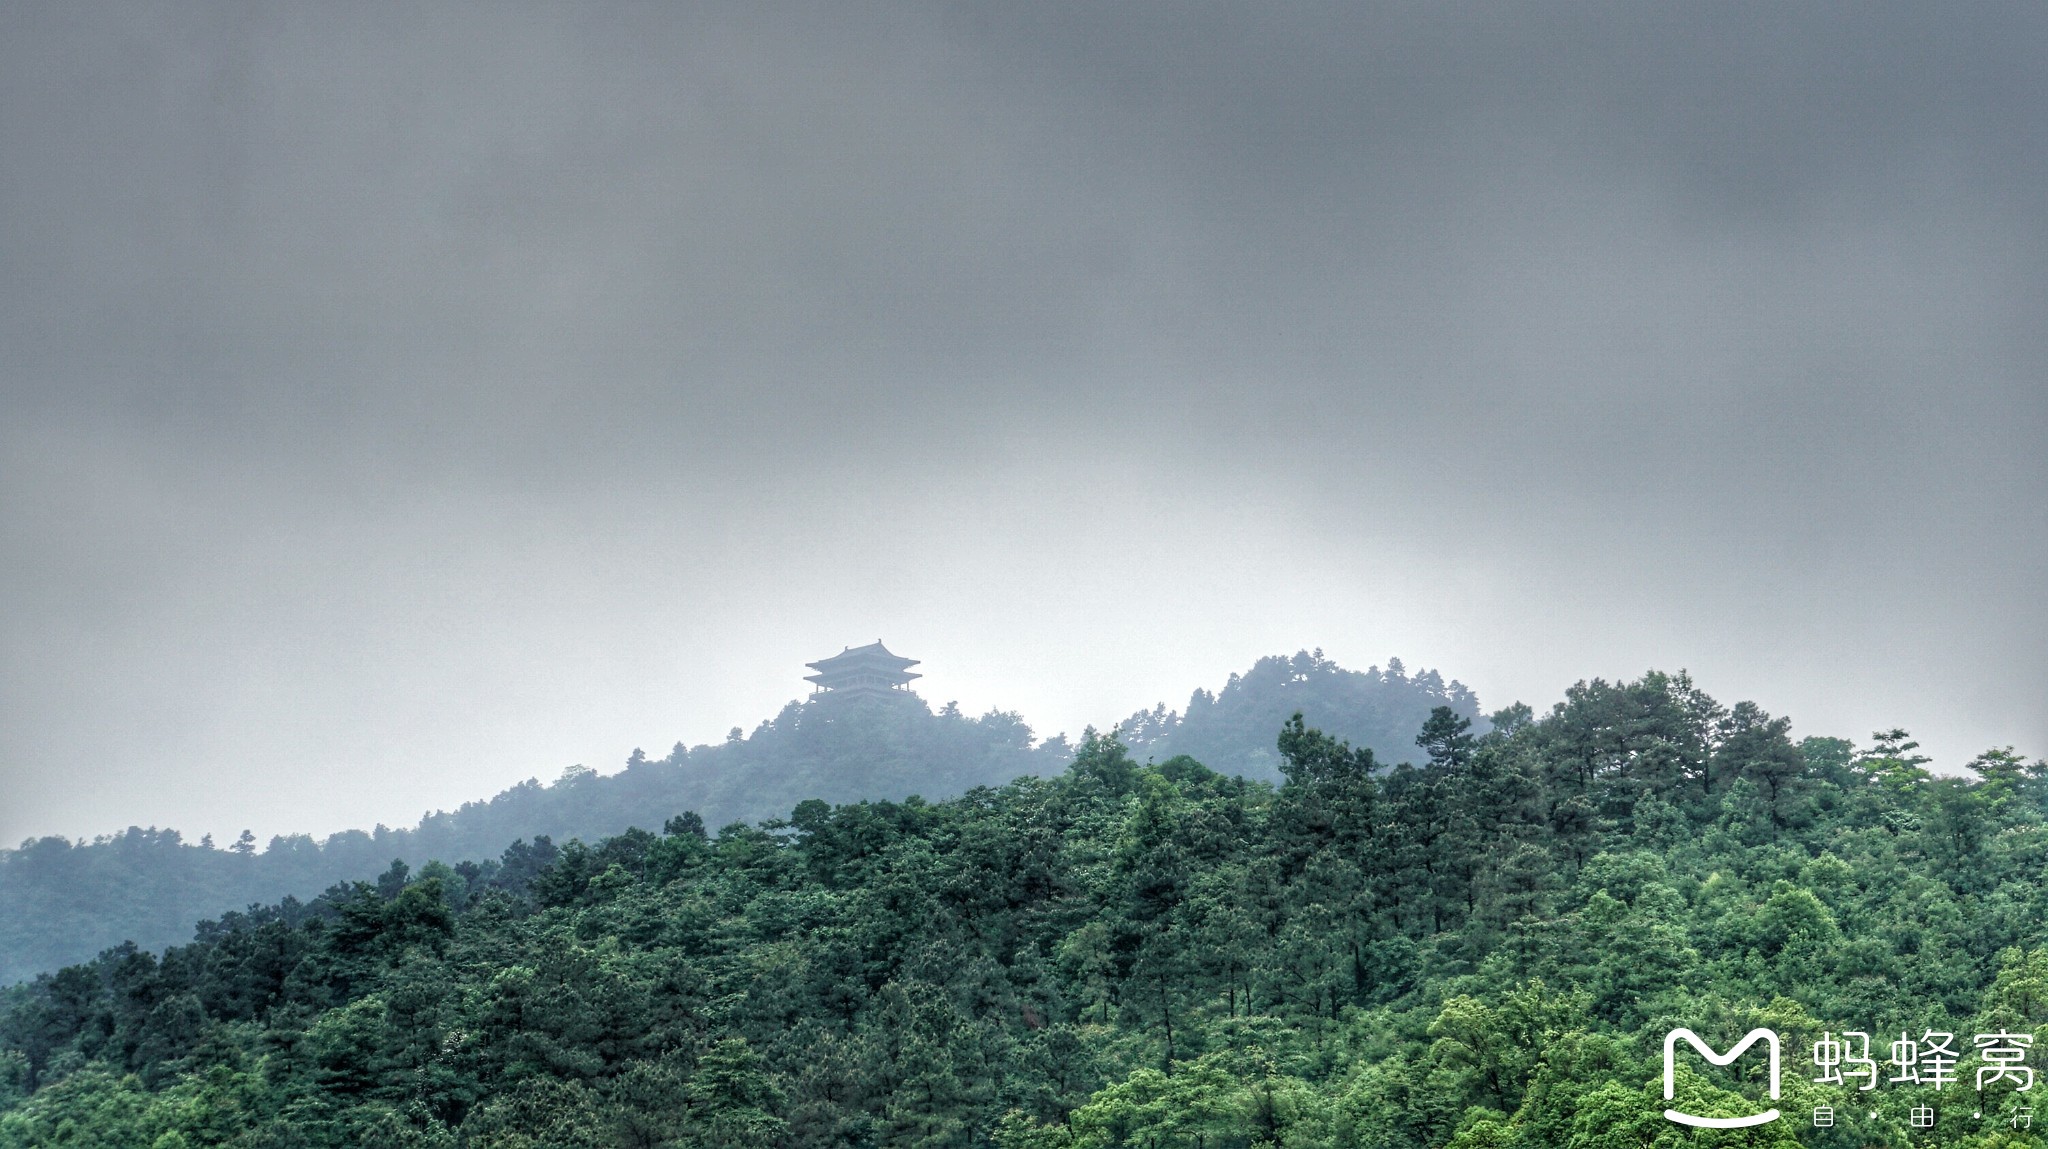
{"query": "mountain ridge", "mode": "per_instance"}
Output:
(62, 902)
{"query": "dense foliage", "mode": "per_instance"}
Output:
(1482, 951)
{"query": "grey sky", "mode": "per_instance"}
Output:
(396, 402)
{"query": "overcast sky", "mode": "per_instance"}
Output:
(400, 401)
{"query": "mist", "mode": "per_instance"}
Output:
(395, 404)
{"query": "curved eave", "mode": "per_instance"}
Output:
(863, 659)
(840, 675)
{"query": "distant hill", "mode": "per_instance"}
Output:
(62, 902)
(1231, 731)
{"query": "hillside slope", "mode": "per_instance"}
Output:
(62, 902)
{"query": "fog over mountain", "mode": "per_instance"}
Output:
(396, 403)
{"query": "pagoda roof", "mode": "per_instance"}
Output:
(873, 654)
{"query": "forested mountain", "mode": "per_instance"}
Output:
(63, 902)
(1231, 730)
(1480, 951)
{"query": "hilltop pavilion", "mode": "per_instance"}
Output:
(863, 672)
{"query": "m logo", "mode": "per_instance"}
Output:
(1706, 1051)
